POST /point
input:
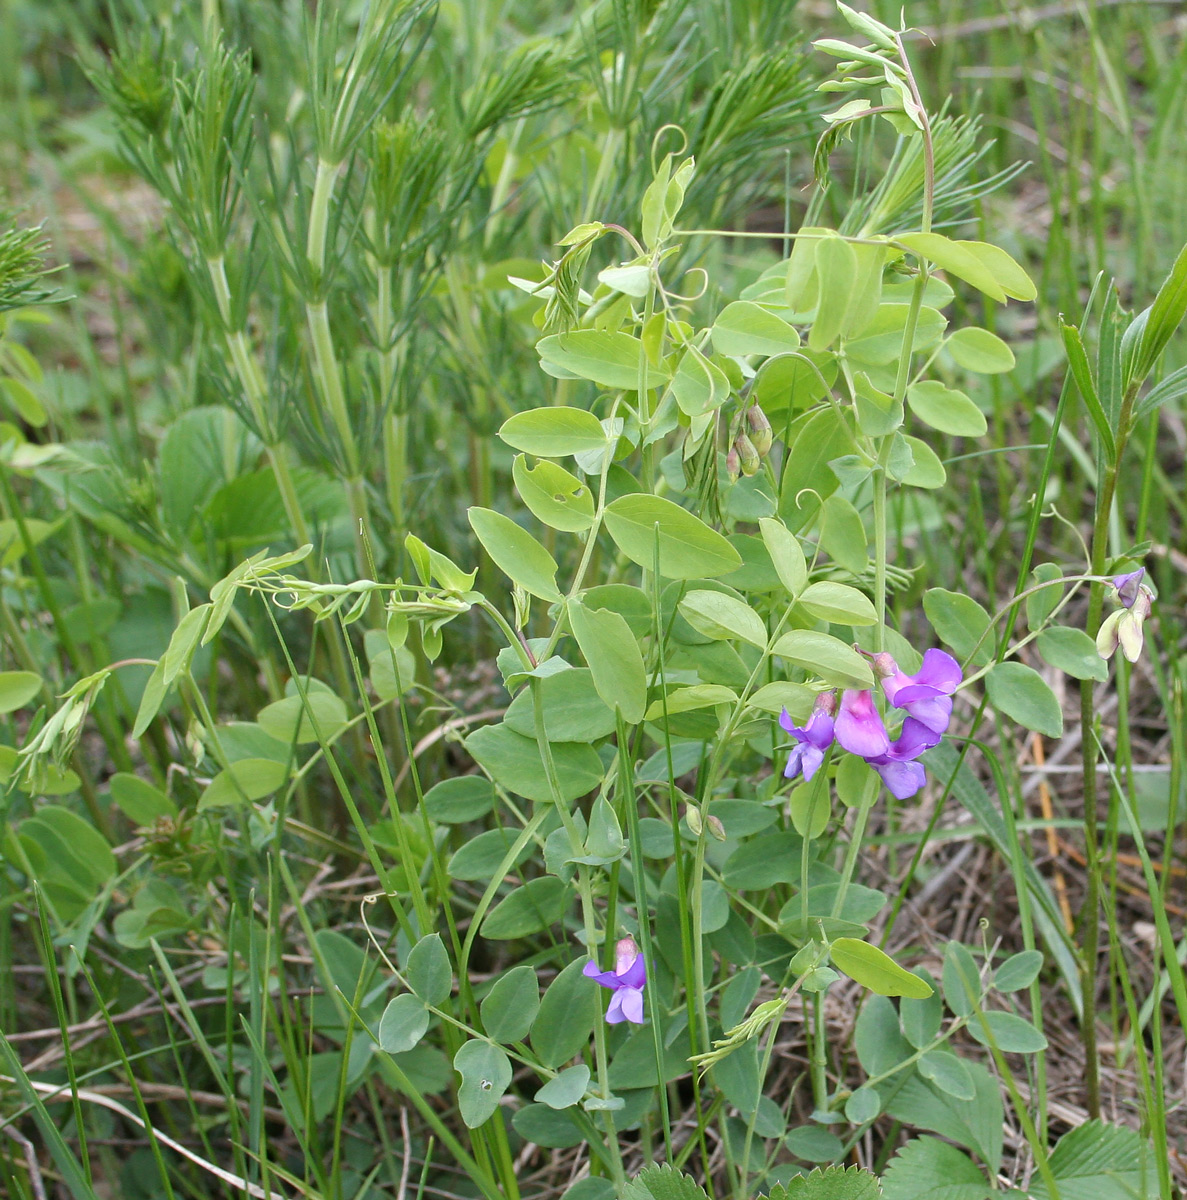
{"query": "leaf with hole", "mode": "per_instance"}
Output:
(486, 1074)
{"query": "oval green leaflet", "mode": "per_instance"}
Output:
(515, 552)
(687, 548)
(876, 970)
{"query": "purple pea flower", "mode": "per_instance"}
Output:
(926, 695)
(898, 768)
(1128, 587)
(859, 726)
(1123, 627)
(812, 739)
(625, 981)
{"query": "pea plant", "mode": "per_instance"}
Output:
(722, 684)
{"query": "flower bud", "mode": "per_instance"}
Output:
(733, 464)
(715, 827)
(760, 430)
(625, 953)
(747, 455)
(692, 815)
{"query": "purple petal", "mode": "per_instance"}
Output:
(635, 975)
(631, 1004)
(786, 721)
(605, 978)
(614, 1013)
(893, 684)
(914, 738)
(940, 670)
(795, 761)
(934, 712)
(1127, 586)
(859, 726)
(903, 779)
(819, 730)
(811, 760)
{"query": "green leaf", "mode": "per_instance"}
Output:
(511, 1005)
(428, 971)
(928, 1169)
(80, 850)
(876, 970)
(514, 762)
(1073, 652)
(1018, 971)
(243, 781)
(920, 1019)
(1012, 279)
(459, 799)
(529, 909)
(1166, 314)
(810, 810)
(289, 720)
(609, 359)
(881, 341)
(566, 1089)
(1096, 1161)
(829, 1183)
(948, 1073)
(614, 658)
(479, 857)
(826, 656)
(981, 351)
(699, 385)
(843, 535)
(960, 622)
(863, 1105)
(557, 1130)
(515, 552)
(661, 1181)
(813, 1144)
(961, 979)
(404, 1022)
(139, 800)
(553, 495)
(17, 688)
(1012, 1034)
(926, 470)
(946, 409)
(184, 641)
(688, 548)
(721, 617)
(486, 1075)
(689, 699)
(836, 271)
(818, 439)
(567, 1014)
(153, 696)
(573, 710)
(787, 555)
(1021, 693)
(838, 603)
(745, 328)
(1082, 373)
(554, 432)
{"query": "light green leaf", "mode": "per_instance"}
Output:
(139, 800)
(1018, 971)
(843, 535)
(1073, 652)
(609, 359)
(926, 471)
(1012, 279)
(1020, 693)
(689, 699)
(863, 1105)
(486, 1075)
(1012, 1034)
(960, 622)
(614, 658)
(289, 720)
(566, 1089)
(184, 641)
(826, 656)
(838, 603)
(17, 688)
(554, 432)
(721, 617)
(403, 1024)
(981, 351)
(515, 552)
(243, 781)
(428, 971)
(699, 384)
(573, 709)
(567, 1014)
(688, 548)
(957, 258)
(948, 1073)
(633, 280)
(787, 555)
(514, 762)
(876, 970)
(511, 1006)
(1096, 1161)
(836, 272)
(745, 328)
(774, 697)
(553, 495)
(532, 908)
(928, 1169)
(946, 409)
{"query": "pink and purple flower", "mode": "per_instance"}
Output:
(625, 981)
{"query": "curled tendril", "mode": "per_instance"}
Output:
(659, 135)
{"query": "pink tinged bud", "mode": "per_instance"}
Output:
(733, 464)
(747, 455)
(760, 429)
(859, 726)
(1124, 627)
(625, 953)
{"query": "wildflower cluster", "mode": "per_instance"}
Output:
(856, 725)
(1123, 627)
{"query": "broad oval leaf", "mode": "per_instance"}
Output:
(721, 617)
(428, 971)
(567, 1014)
(554, 432)
(876, 970)
(826, 656)
(747, 328)
(17, 688)
(946, 409)
(688, 548)
(838, 603)
(529, 909)
(486, 1074)
(1012, 1034)
(243, 781)
(978, 350)
(612, 360)
(511, 1005)
(515, 552)
(699, 384)
(553, 495)
(614, 658)
(403, 1024)
(1021, 693)
(787, 555)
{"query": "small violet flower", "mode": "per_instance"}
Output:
(859, 726)
(625, 981)
(812, 739)
(1123, 626)
(926, 695)
(898, 768)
